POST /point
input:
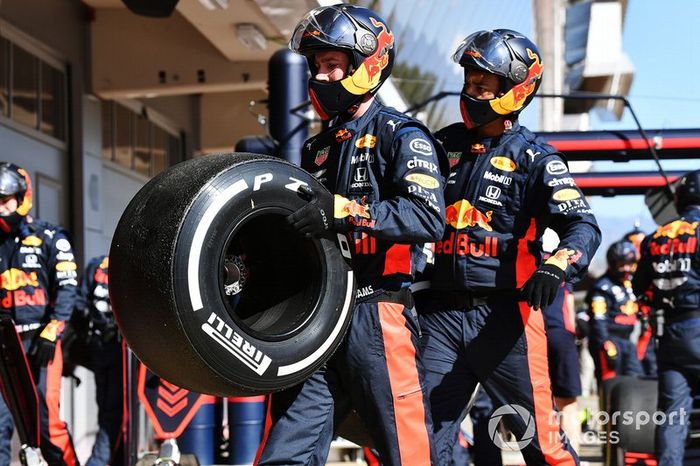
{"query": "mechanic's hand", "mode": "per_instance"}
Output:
(316, 217)
(542, 287)
(610, 351)
(44, 346)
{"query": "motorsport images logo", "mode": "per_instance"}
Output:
(511, 410)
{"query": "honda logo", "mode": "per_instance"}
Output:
(493, 192)
(360, 174)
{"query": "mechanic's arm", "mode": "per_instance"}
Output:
(598, 309)
(415, 210)
(565, 210)
(641, 281)
(63, 277)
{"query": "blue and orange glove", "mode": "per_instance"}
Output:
(610, 353)
(43, 348)
(542, 287)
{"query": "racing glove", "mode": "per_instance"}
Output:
(541, 288)
(43, 347)
(610, 353)
(316, 217)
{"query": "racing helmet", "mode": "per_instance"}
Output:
(688, 190)
(622, 258)
(15, 181)
(366, 40)
(514, 59)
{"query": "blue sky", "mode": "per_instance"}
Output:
(663, 49)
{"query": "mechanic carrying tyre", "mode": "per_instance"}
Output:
(670, 267)
(387, 173)
(613, 309)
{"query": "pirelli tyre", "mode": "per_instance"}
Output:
(212, 290)
(633, 416)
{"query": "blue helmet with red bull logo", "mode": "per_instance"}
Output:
(15, 181)
(688, 190)
(514, 59)
(363, 36)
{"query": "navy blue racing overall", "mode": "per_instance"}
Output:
(388, 166)
(37, 289)
(670, 267)
(501, 195)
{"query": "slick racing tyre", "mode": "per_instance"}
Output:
(214, 292)
(634, 400)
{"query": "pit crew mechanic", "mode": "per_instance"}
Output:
(670, 267)
(506, 187)
(105, 361)
(613, 308)
(37, 290)
(387, 173)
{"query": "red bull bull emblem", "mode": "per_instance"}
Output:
(462, 214)
(478, 149)
(515, 98)
(368, 74)
(352, 210)
(564, 257)
(676, 229)
(14, 279)
(342, 135)
(313, 33)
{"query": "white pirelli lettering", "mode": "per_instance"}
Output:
(235, 344)
(260, 179)
(294, 185)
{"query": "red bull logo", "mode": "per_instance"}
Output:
(342, 135)
(514, 99)
(26, 205)
(313, 33)
(675, 246)
(21, 298)
(478, 149)
(462, 214)
(14, 279)
(676, 229)
(356, 212)
(368, 74)
(564, 257)
(462, 245)
(353, 208)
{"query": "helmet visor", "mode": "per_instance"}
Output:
(324, 27)
(485, 50)
(10, 182)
